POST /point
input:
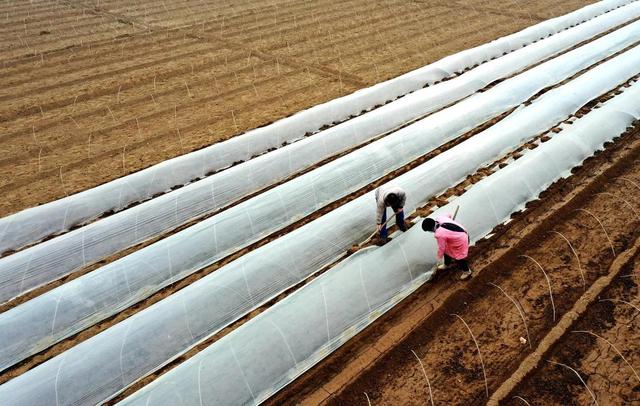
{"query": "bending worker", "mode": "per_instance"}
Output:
(453, 242)
(394, 197)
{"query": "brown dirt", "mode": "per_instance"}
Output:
(379, 361)
(598, 362)
(79, 104)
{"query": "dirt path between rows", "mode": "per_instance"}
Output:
(381, 361)
(602, 347)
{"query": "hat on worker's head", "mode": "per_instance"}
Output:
(428, 224)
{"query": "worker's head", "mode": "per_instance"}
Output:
(429, 224)
(392, 200)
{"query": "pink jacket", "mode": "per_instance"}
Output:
(453, 243)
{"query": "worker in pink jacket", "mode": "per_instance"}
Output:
(453, 242)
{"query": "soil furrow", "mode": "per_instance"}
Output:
(561, 331)
(97, 61)
(113, 72)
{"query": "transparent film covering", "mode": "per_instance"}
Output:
(83, 301)
(92, 297)
(36, 223)
(105, 364)
(57, 257)
(265, 354)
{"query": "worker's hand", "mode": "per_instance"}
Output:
(399, 210)
(379, 226)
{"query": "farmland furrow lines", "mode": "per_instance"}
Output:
(46, 72)
(374, 71)
(75, 22)
(287, 25)
(145, 86)
(155, 137)
(36, 111)
(27, 52)
(281, 27)
(356, 55)
(63, 51)
(494, 11)
(101, 65)
(265, 12)
(36, 5)
(349, 62)
(51, 8)
(34, 39)
(368, 20)
(393, 26)
(115, 16)
(90, 50)
(162, 4)
(32, 27)
(178, 89)
(163, 58)
(332, 18)
(109, 28)
(322, 70)
(298, 20)
(164, 11)
(458, 38)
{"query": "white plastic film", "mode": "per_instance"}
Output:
(59, 256)
(107, 363)
(34, 224)
(46, 319)
(270, 351)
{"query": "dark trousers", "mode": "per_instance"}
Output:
(399, 222)
(462, 263)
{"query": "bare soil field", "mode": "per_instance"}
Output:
(94, 90)
(601, 347)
